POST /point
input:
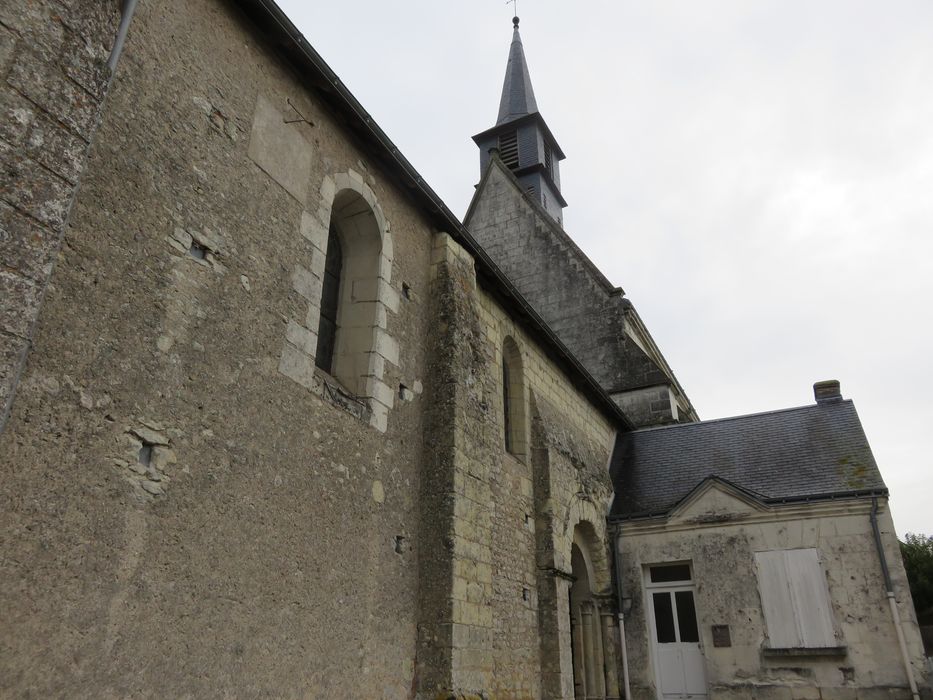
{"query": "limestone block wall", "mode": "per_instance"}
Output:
(722, 550)
(53, 80)
(533, 532)
(493, 621)
(655, 405)
(188, 509)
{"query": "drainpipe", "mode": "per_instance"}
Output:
(889, 590)
(129, 7)
(617, 562)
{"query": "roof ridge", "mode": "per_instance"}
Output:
(740, 417)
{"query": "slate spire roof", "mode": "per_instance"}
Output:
(518, 97)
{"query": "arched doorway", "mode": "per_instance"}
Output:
(592, 630)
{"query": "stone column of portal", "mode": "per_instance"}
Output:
(589, 652)
(579, 663)
(611, 650)
(599, 657)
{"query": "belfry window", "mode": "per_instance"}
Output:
(330, 302)
(508, 149)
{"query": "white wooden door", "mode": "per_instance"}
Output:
(680, 666)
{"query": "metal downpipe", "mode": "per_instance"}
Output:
(617, 565)
(129, 7)
(892, 602)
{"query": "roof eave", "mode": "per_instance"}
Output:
(268, 16)
(771, 501)
(521, 121)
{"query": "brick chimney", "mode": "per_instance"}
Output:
(827, 391)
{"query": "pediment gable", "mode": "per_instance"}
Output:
(715, 500)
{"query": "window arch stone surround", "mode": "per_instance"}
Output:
(514, 400)
(367, 345)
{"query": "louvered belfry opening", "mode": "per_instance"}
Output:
(508, 149)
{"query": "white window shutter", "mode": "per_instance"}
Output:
(776, 600)
(811, 599)
(795, 599)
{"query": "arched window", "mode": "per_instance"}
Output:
(513, 400)
(330, 300)
(350, 293)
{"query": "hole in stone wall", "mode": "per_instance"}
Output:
(527, 519)
(145, 454)
(402, 391)
(401, 544)
(197, 251)
(406, 290)
(526, 594)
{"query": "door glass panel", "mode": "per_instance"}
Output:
(664, 618)
(673, 572)
(687, 616)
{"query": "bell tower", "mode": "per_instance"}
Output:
(522, 138)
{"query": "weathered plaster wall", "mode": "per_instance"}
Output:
(502, 525)
(182, 514)
(720, 540)
(53, 80)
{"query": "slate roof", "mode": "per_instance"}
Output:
(812, 452)
(518, 97)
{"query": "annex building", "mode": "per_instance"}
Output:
(274, 423)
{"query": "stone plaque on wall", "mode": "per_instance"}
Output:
(721, 636)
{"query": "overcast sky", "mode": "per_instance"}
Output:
(757, 176)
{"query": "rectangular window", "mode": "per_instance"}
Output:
(795, 599)
(668, 573)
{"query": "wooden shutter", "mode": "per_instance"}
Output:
(794, 599)
(811, 598)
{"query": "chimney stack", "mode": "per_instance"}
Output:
(827, 391)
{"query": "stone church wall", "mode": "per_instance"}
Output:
(575, 303)
(189, 507)
(500, 628)
(53, 81)
(571, 295)
(180, 516)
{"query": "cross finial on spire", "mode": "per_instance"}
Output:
(514, 4)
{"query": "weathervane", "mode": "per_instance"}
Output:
(514, 4)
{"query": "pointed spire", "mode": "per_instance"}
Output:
(518, 97)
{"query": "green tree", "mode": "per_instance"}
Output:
(917, 551)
